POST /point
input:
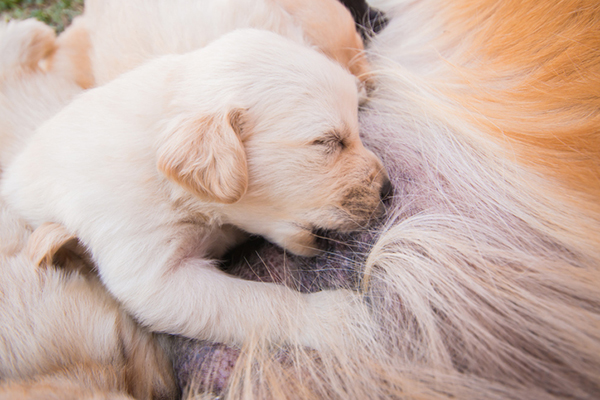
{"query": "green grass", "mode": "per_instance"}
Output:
(56, 13)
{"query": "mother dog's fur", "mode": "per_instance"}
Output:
(485, 281)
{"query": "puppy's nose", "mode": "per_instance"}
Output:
(387, 190)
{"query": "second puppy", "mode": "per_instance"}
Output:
(158, 171)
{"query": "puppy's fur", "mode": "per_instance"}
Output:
(126, 34)
(156, 171)
(62, 335)
(39, 74)
(485, 283)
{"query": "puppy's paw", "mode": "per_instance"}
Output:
(336, 318)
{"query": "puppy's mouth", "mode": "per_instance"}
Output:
(349, 220)
(327, 240)
(322, 237)
(338, 225)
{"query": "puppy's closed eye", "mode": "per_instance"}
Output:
(331, 142)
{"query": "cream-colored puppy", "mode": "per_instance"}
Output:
(157, 171)
(61, 334)
(39, 74)
(125, 34)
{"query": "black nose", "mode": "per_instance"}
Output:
(387, 190)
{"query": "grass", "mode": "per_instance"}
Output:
(56, 13)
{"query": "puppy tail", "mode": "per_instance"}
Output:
(25, 45)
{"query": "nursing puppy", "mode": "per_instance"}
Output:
(159, 171)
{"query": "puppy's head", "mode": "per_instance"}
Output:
(280, 151)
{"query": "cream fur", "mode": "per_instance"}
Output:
(61, 335)
(122, 166)
(484, 283)
(126, 34)
(25, 74)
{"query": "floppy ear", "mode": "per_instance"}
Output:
(24, 44)
(45, 243)
(206, 157)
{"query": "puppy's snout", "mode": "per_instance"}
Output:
(387, 190)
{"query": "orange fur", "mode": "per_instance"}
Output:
(532, 76)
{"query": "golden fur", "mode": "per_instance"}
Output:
(62, 335)
(206, 151)
(203, 144)
(40, 74)
(485, 282)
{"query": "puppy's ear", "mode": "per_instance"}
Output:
(24, 44)
(46, 241)
(206, 156)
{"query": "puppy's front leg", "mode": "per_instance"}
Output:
(191, 297)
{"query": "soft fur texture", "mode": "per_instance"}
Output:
(39, 74)
(484, 281)
(61, 336)
(156, 172)
(126, 34)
